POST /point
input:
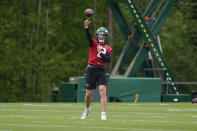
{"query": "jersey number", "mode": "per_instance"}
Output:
(103, 52)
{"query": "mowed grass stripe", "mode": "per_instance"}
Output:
(121, 116)
(77, 118)
(79, 127)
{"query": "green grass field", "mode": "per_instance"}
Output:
(121, 116)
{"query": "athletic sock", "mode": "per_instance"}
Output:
(88, 109)
(103, 113)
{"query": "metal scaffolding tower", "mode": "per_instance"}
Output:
(147, 27)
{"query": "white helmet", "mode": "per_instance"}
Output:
(101, 31)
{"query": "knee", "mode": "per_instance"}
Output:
(88, 94)
(103, 92)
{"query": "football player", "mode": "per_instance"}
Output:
(99, 55)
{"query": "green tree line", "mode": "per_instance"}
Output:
(42, 43)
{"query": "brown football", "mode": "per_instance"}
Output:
(89, 12)
(194, 100)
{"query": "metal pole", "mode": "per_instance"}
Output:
(159, 43)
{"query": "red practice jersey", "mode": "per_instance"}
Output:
(94, 57)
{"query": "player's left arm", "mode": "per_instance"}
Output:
(106, 57)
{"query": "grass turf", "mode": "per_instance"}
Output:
(121, 116)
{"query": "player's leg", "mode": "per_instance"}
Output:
(102, 82)
(102, 90)
(90, 84)
(88, 97)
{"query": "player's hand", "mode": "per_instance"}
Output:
(86, 23)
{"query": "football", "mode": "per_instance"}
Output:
(194, 100)
(89, 12)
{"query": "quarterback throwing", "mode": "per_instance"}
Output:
(99, 55)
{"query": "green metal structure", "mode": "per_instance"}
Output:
(149, 30)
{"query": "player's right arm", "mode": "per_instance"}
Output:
(86, 23)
